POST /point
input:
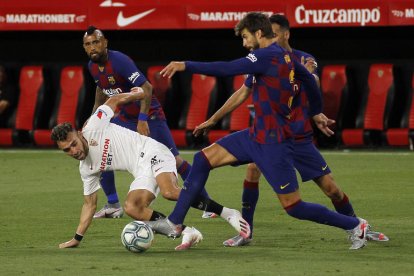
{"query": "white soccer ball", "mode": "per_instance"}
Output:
(137, 236)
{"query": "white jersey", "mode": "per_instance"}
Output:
(112, 147)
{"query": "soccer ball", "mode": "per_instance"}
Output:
(137, 236)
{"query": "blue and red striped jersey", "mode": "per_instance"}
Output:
(119, 75)
(273, 88)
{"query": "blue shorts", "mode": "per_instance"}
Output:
(158, 131)
(274, 160)
(309, 161)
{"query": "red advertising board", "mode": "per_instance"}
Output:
(201, 14)
(138, 17)
(338, 14)
(224, 16)
(401, 13)
(45, 18)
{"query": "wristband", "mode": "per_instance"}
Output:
(142, 117)
(78, 237)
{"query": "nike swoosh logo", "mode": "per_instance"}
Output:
(324, 168)
(125, 21)
(284, 186)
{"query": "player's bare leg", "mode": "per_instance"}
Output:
(136, 204)
(342, 205)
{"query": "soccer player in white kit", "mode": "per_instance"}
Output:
(103, 146)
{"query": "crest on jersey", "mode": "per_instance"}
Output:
(101, 68)
(93, 143)
(111, 80)
(287, 58)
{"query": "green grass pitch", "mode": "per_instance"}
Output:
(41, 198)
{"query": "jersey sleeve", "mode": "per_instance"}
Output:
(257, 62)
(126, 67)
(90, 183)
(249, 81)
(100, 119)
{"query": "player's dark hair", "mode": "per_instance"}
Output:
(91, 29)
(280, 20)
(61, 131)
(254, 21)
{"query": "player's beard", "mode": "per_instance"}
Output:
(97, 58)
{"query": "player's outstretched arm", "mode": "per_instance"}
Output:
(88, 210)
(231, 104)
(142, 126)
(137, 93)
(100, 98)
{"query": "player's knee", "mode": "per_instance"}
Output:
(170, 194)
(134, 209)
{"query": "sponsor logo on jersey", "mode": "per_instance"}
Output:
(292, 76)
(110, 92)
(134, 77)
(93, 143)
(155, 161)
(106, 156)
(251, 57)
(111, 80)
(335, 16)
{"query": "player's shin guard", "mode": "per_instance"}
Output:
(108, 185)
(192, 187)
(250, 197)
(320, 214)
(344, 206)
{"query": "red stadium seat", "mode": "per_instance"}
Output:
(335, 90)
(372, 115)
(160, 85)
(239, 118)
(203, 88)
(32, 90)
(71, 95)
(401, 136)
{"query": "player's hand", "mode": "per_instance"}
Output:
(69, 244)
(323, 123)
(309, 63)
(170, 69)
(143, 128)
(137, 89)
(203, 128)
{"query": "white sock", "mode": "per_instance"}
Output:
(226, 213)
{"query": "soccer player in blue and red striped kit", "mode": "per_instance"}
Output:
(114, 73)
(269, 142)
(307, 159)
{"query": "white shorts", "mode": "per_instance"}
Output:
(157, 159)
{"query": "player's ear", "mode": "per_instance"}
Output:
(287, 35)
